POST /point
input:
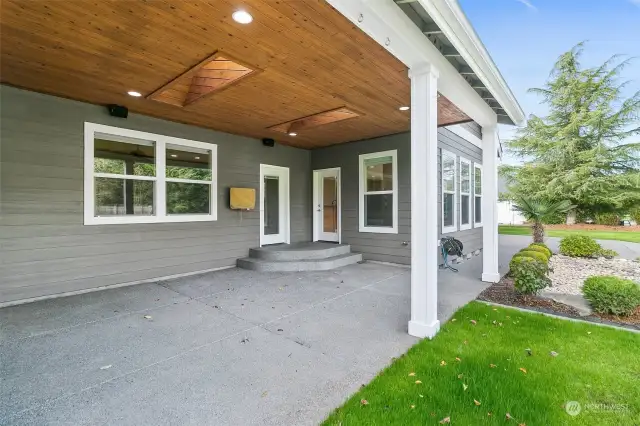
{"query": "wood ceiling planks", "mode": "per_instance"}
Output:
(312, 60)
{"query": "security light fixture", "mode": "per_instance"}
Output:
(242, 17)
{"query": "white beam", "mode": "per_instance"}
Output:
(424, 194)
(387, 24)
(490, 143)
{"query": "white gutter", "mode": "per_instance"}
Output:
(458, 30)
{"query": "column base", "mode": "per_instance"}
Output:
(491, 278)
(420, 329)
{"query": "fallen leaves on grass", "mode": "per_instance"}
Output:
(475, 401)
(364, 402)
(418, 382)
(529, 352)
(413, 406)
(553, 353)
(443, 363)
(412, 374)
(458, 359)
(445, 420)
(489, 414)
(474, 322)
(453, 320)
(508, 416)
(464, 387)
(524, 370)
(492, 366)
(465, 342)
(460, 376)
(420, 395)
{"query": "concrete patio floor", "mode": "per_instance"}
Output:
(232, 347)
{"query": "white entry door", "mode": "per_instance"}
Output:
(274, 204)
(326, 198)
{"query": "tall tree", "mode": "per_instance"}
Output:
(584, 150)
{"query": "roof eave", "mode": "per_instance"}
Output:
(454, 25)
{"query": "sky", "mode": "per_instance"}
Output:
(525, 38)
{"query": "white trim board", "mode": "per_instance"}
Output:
(454, 227)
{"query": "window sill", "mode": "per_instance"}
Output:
(465, 227)
(378, 230)
(449, 229)
(121, 220)
(477, 225)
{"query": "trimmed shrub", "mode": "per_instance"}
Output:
(539, 249)
(542, 257)
(635, 215)
(579, 246)
(608, 253)
(612, 295)
(609, 219)
(530, 275)
(544, 246)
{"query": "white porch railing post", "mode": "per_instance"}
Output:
(490, 271)
(424, 192)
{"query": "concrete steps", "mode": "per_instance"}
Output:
(318, 256)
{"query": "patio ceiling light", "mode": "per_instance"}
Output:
(293, 134)
(242, 17)
(134, 93)
(403, 108)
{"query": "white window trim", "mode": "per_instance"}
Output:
(90, 130)
(454, 227)
(466, 163)
(394, 160)
(477, 167)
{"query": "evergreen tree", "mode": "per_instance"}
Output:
(586, 149)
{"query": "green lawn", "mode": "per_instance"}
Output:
(596, 366)
(633, 237)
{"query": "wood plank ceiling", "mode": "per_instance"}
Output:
(311, 59)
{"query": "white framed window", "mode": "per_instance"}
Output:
(477, 195)
(140, 177)
(465, 193)
(379, 192)
(449, 186)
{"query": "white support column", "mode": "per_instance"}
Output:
(490, 271)
(424, 199)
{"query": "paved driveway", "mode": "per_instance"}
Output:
(232, 347)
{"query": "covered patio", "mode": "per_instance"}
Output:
(228, 347)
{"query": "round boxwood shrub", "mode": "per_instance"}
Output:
(529, 274)
(539, 249)
(612, 295)
(544, 246)
(579, 246)
(533, 254)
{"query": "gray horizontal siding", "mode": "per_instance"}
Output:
(44, 246)
(392, 247)
(474, 128)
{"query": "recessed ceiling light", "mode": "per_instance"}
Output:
(242, 17)
(174, 155)
(134, 93)
(403, 108)
(197, 158)
(293, 134)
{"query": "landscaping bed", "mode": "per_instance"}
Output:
(584, 281)
(504, 293)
